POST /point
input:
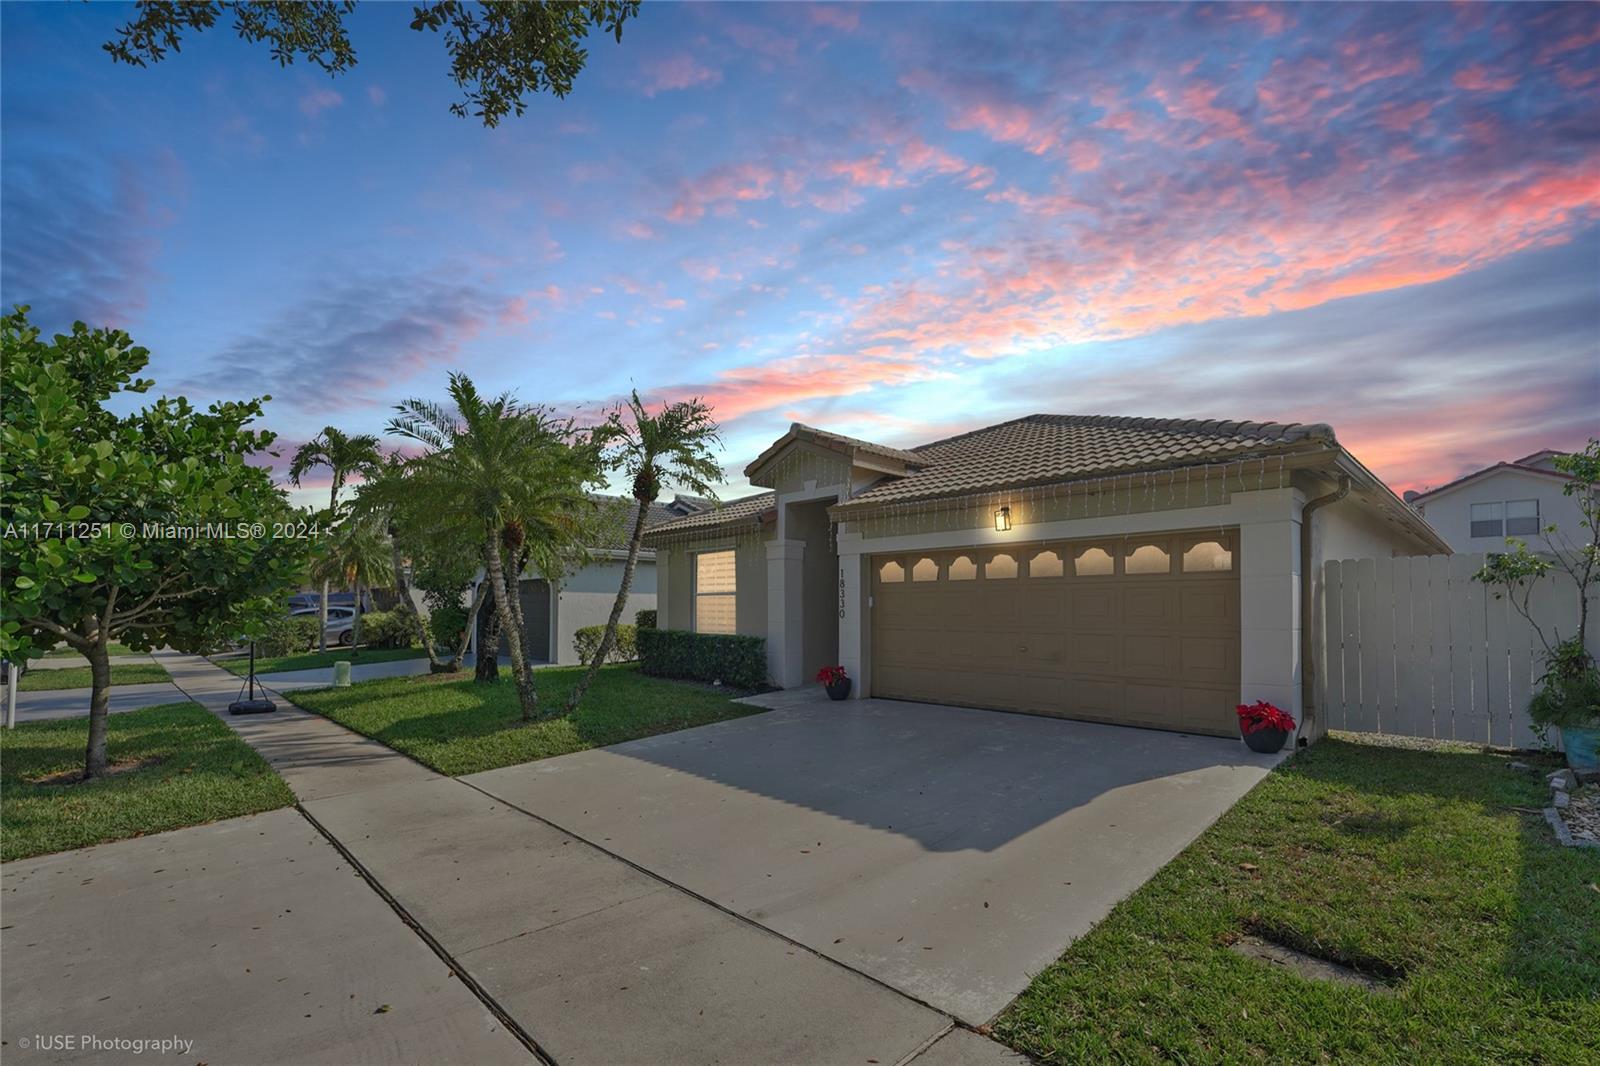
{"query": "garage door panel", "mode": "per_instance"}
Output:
(1158, 647)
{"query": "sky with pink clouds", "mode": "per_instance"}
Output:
(894, 221)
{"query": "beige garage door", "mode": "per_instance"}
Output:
(1139, 631)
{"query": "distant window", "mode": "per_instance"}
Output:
(1488, 520)
(891, 571)
(963, 569)
(1045, 564)
(1522, 518)
(1147, 559)
(925, 570)
(1000, 567)
(1093, 562)
(1206, 556)
(714, 603)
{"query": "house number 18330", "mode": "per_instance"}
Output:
(841, 592)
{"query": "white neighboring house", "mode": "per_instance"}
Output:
(1519, 498)
(554, 612)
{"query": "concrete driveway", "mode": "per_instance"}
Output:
(948, 853)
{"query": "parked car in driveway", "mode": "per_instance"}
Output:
(341, 623)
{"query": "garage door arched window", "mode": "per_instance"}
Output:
(1147, 559)
(963, 569)
(715, 606)
(891, 572)
(1208, 556)
(1000, 567)
(925, 570)
(1046, 564)
(1094, 562)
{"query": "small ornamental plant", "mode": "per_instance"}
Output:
(1254, 717)
(831, 675)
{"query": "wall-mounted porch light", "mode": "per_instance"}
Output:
(1002, 520)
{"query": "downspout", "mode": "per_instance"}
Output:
(1308, 708)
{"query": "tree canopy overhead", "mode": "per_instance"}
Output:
(500, 52)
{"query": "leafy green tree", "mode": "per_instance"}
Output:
(673, 446)
(148, 529)
(442, 562)
(499, 52)
(343, 455)
(494, 463)
(1570, 689)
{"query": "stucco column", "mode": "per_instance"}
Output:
(855, 630)
(785, 604)
(1269, 597)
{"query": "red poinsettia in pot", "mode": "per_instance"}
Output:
(1264, 727)
(834, 679)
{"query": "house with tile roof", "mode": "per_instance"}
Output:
(1142, 571)
(1519, 498)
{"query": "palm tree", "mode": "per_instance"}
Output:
(675, 446)
(492, 463)
(356, 553)
(343, 455)
(387, 496)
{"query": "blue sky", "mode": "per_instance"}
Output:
(895, 221)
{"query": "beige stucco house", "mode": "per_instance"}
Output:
(1141, 571)
(1478, 511)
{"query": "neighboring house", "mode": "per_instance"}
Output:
(554, 611)
(1133, 570)
(1517, 499)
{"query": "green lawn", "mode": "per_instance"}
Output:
(204, 773)
(313, 659)
(1410, 864)
(461, 727)
(68, 653)
(80, 677)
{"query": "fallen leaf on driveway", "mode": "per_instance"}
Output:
(382, 1010)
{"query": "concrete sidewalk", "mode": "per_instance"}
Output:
(596, 960)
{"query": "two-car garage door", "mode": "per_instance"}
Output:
(1139, 631)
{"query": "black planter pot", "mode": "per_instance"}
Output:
(1266, 741)
(839, 690)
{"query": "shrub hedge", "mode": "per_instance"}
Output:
(387, 629)
(586, 642)
(287, 635)
(645, 619)
(737, 661)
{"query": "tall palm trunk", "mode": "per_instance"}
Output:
(488, 665)
(527, 695)
(355, 630)
(95, 761)
(322, 611)
(609, 637)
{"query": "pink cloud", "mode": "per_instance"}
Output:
(834, 16)
(723, 185)
(1478, 79)
(680, 71)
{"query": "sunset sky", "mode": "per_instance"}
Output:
(897, 222)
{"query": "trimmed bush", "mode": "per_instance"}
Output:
(737, 661)
(586, 642)
(387, 629)
(287, 635)
(645, 619)
(447, 622)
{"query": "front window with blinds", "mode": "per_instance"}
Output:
(714, 592)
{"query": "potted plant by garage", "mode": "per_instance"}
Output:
(1264, 727)
(834, 679)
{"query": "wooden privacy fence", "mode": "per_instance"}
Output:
(1415, 647)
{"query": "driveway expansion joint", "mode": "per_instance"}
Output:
(467, 980)
(741, 918)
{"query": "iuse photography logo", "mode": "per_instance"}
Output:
(127, 1045)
